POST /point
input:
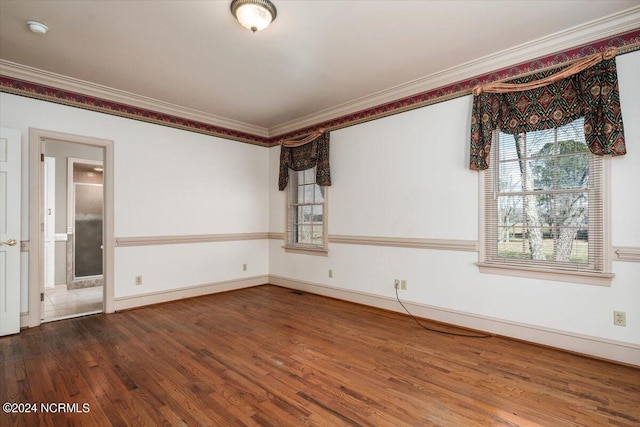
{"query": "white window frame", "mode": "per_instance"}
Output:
(489, 264)
(292, 204)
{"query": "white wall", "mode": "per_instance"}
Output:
(166, 182)
(407, 176)
(402, 176)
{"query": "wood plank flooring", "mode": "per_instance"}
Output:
(268, 356)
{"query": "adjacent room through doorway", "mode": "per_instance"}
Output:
(73, 230)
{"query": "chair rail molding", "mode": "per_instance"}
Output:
(626, 253)
(182, 239)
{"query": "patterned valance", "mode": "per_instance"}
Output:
(305, 154)
(551, 99)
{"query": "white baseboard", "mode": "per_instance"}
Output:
(576, 343)
(24, 320)
(124, 303)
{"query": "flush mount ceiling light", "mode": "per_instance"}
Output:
(37, 27)
(254, 15)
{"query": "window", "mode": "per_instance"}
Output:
(544, 205)
(306, 209)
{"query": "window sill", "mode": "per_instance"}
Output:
(583, 277)
(306, 251)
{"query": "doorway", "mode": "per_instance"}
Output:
(73, 230)
(73, 275)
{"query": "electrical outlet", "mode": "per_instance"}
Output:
(620, 318)
(396, 283)
(138, 280)
(403, 285)
(244, 267)
(330, 273)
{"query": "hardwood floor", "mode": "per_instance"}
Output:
(273, 357)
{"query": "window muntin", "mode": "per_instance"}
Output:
(306, 209)
(543, 201)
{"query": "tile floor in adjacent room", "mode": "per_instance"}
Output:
(62, 303)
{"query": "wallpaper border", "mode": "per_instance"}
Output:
(625, 42)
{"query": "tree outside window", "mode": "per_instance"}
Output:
(306, 211)
(545, 199)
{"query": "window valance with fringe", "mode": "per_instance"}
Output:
(311, 151)
(588, 88)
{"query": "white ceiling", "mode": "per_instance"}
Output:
(315, 57)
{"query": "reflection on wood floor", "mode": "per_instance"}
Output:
(270, 356)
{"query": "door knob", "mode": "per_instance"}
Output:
(10, 242)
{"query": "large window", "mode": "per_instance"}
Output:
(306, 212)
(544, 204)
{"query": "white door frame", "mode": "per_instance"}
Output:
(37, 138)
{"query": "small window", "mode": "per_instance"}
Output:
(306, 212)
(544, 205)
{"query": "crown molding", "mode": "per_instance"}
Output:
(608, 26)
(621, 29)
(65, 83)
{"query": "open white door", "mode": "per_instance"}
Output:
(10, 158)
(49, 221)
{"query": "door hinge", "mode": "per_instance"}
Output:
(42, 157)
(41, 296)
